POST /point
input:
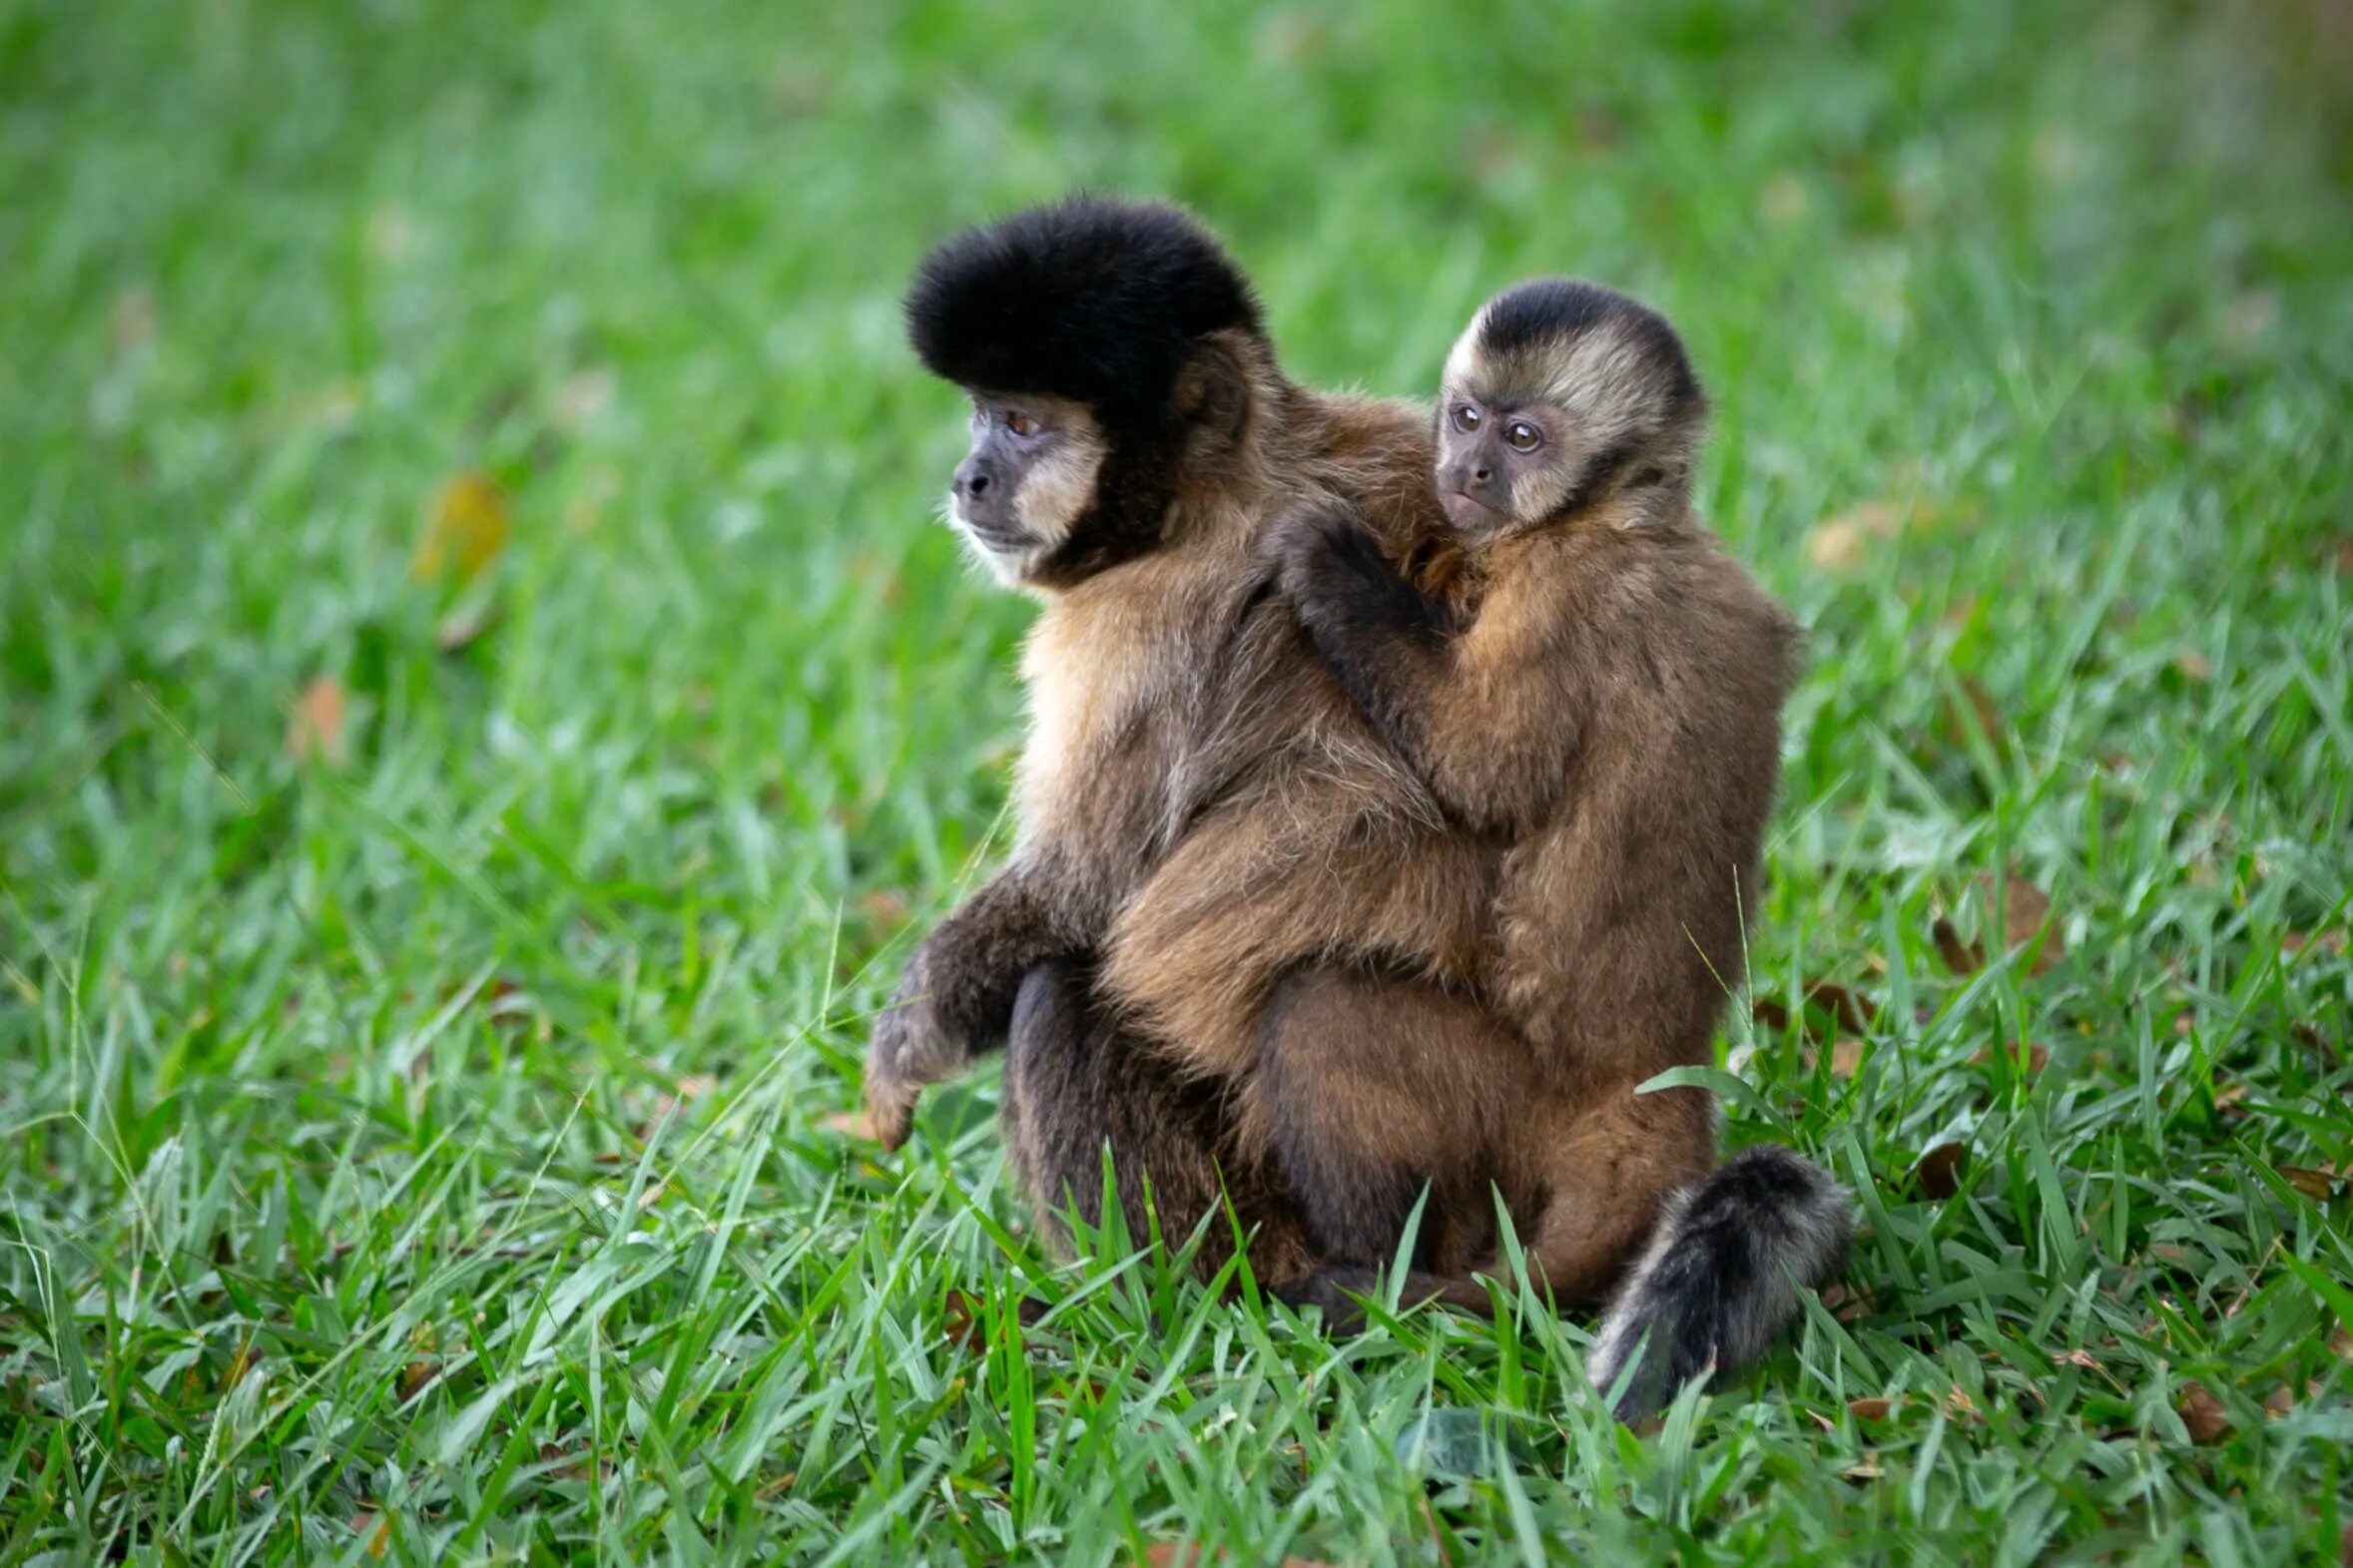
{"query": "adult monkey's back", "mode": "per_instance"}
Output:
(1132, 437)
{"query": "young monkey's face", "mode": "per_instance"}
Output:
(1559, 394)
(1030, 476)
(1503, 462)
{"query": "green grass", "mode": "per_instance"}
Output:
(426, 1150)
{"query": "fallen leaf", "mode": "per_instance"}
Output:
(1867, 1471)
(2078, 1356)
(1845, 1302)
(694, 1085)
(2026, 919)
(2228, 1097)
(373, 1527)
(2037, 1057)
(416, 1375)
(315, 728)
(2194, 665)
(1872, 1409)
(960, 1321)
(1937, 1175)
(464, 530)
(1823, 1421)
(1835, 544)
(1962, 958)
(2310, 1038)
(884, 908)
(2282, 1401)
(2315, 1185)
(1846, 1057)
(2202, 1414)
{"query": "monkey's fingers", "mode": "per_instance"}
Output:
(891, 1111)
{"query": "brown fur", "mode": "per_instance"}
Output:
(1163, 689)
(1599, 729)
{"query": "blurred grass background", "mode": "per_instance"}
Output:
(483, 706)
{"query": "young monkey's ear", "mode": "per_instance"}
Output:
(1213, 394)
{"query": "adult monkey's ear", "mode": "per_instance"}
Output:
(1212, 392)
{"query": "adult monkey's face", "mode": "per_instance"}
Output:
(1020, 494)
(1085, 333)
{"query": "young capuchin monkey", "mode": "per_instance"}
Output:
(1597, 692)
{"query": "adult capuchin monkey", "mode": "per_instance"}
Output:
(1131, 436)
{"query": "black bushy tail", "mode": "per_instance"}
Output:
(1721, 1275)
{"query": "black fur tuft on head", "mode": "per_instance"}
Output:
(1093, 299)
(1536, 315)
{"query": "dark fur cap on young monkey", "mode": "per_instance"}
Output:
(1560, 393)
(1073, 326)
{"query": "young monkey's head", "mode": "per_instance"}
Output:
(1561, 394)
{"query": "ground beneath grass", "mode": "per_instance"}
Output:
(485, 708)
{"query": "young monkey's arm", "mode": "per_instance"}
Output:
(955, 999)
(1463, 706)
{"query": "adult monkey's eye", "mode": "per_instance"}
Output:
(1465, 417)
(1020, 423)
(1524, 437)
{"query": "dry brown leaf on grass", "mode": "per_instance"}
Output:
(884, 908)
(2037, 1057)
(1846, 539)
(465, 528)
(2314, 1184)
(2078, 1356)
(375, 1528)
(1868, 1470)
(1846, 1303)
(1872, 1409)
(1962, 958)
(416, 1377)
(1846, 1057)
(2201, 1414)
(315, 727)
(2026, 919)
(959, 1320)
(1937, 1175)
(2283, 1399)
(694, 1086)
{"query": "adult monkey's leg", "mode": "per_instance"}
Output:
(1372, 1088)
(1078, 1082)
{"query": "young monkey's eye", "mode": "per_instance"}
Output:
(1465, 417)
(1524, 437)
(1020, 423)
